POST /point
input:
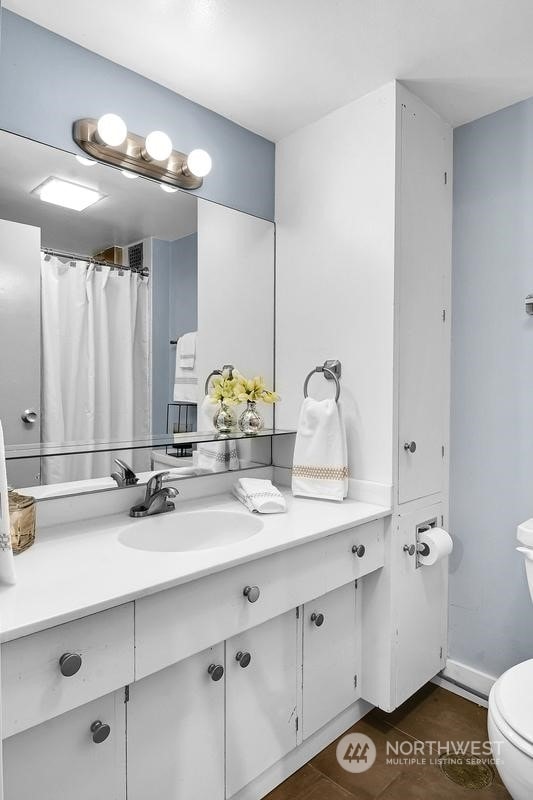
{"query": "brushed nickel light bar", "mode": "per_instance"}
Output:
(109, 141)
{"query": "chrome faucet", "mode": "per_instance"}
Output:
(125, 476)
(157, 499)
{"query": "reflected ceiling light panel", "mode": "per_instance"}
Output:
(157, 146)
(111, 130)
(166, 188)
(87, 162)
(67, 194)
(198, 163)
(128, 174)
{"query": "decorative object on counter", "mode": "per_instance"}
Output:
(7, 564)
(259, 495)
(252, 391)
(22, 521)
(219, 456)
(223, 393)
(320, 463)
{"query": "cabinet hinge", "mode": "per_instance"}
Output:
(126, 694)
(445, 178)
(355, 681)
(297, 723)
(356, 584)
(441, 652)
(297, 612)
(444, 315)
(442, 450)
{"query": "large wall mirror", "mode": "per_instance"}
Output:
(117, 300)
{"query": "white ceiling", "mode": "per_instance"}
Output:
(130, 210)
(275, 65)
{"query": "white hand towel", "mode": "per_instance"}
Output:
(7, 561)
(185, 376)
(259, 495)
(219, 456)
(320, 465)
(186, 349)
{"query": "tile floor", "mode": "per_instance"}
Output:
(432, 714)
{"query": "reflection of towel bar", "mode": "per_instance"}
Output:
(332, 371)
(228, 367)
(173, 341)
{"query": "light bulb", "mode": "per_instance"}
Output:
(87, 162)
(199, 163)
(111, 130)
(157, 146)
(166, 188)
(128, 174)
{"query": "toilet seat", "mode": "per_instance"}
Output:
(511, 704)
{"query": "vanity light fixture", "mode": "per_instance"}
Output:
(109, 141)
(67, 194)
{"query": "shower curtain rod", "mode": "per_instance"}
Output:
(91, 260)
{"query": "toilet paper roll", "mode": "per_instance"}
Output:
(440, 545)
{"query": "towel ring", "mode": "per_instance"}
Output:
(331, 371)
(228, 367)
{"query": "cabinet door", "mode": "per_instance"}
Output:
(424, 267)
(176, 732)
(59, 760)
(330, 657)
(261, 699)
(421, 606)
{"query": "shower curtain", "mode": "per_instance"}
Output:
(95, 363)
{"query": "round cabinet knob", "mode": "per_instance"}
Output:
(100, 731)
(359, 550)
(251, 593)
(409, 548)
(243, 659)
(69, 664)
(29, 415)
(318, 619)
(216, 671)
(410, 446)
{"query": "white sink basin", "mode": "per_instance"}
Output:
(191, 530)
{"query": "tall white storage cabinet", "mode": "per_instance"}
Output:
(363, 260)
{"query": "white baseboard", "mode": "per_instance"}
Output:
(466, 681)
(292, 762)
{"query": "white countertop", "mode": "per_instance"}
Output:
(80, 568)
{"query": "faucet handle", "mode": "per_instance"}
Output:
(126, 476)
(155, 484)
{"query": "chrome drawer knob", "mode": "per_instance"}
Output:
(251, 593)
(359, 550)
(243, 658)
(29, 415)
(216, 671)
(100, 731)
(410, 446)
(69, 664)
(409, 548)
(318, 619)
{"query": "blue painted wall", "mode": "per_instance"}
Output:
(491, 615)
(46, 82)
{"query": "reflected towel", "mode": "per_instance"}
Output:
(7, 561)
(186, 350)
(219, 456)
(320, 464)
(185, 376)
(259, 495)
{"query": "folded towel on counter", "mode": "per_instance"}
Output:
(320, 464)
(186, 349)
(259, 495)
(185, 376)
(219, 456)
(7, 561)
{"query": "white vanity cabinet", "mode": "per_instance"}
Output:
(331, 657)
(176, 731)
(80, 754)
(261, 698)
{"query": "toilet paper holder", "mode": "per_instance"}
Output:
(422, 548)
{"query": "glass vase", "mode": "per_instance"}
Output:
(224, 419)
(250, 421)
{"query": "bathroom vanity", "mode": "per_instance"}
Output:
(200, 673)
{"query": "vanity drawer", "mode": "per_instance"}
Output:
(368, 543)
(176, 623)
(34, 688)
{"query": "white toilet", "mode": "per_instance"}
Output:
(510, 718)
